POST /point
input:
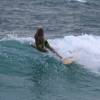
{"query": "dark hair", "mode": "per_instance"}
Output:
(39, 33)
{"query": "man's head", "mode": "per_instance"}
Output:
(39, 33)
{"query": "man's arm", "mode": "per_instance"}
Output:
(51, 49)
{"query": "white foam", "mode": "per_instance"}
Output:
(83, 1)
(28, 40)
(87, 48)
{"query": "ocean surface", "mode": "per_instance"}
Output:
(72, 28)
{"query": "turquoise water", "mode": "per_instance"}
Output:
(27, 74)
(72, 28)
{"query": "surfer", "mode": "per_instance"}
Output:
(41, 43)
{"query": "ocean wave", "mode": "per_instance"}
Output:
(84, 48)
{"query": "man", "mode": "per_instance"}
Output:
(42, 44)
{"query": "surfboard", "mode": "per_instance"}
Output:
(67, 61)
(71, 59)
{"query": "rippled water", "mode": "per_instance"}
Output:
(58, 17)
(72, 29)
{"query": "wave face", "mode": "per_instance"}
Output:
(27, 74)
